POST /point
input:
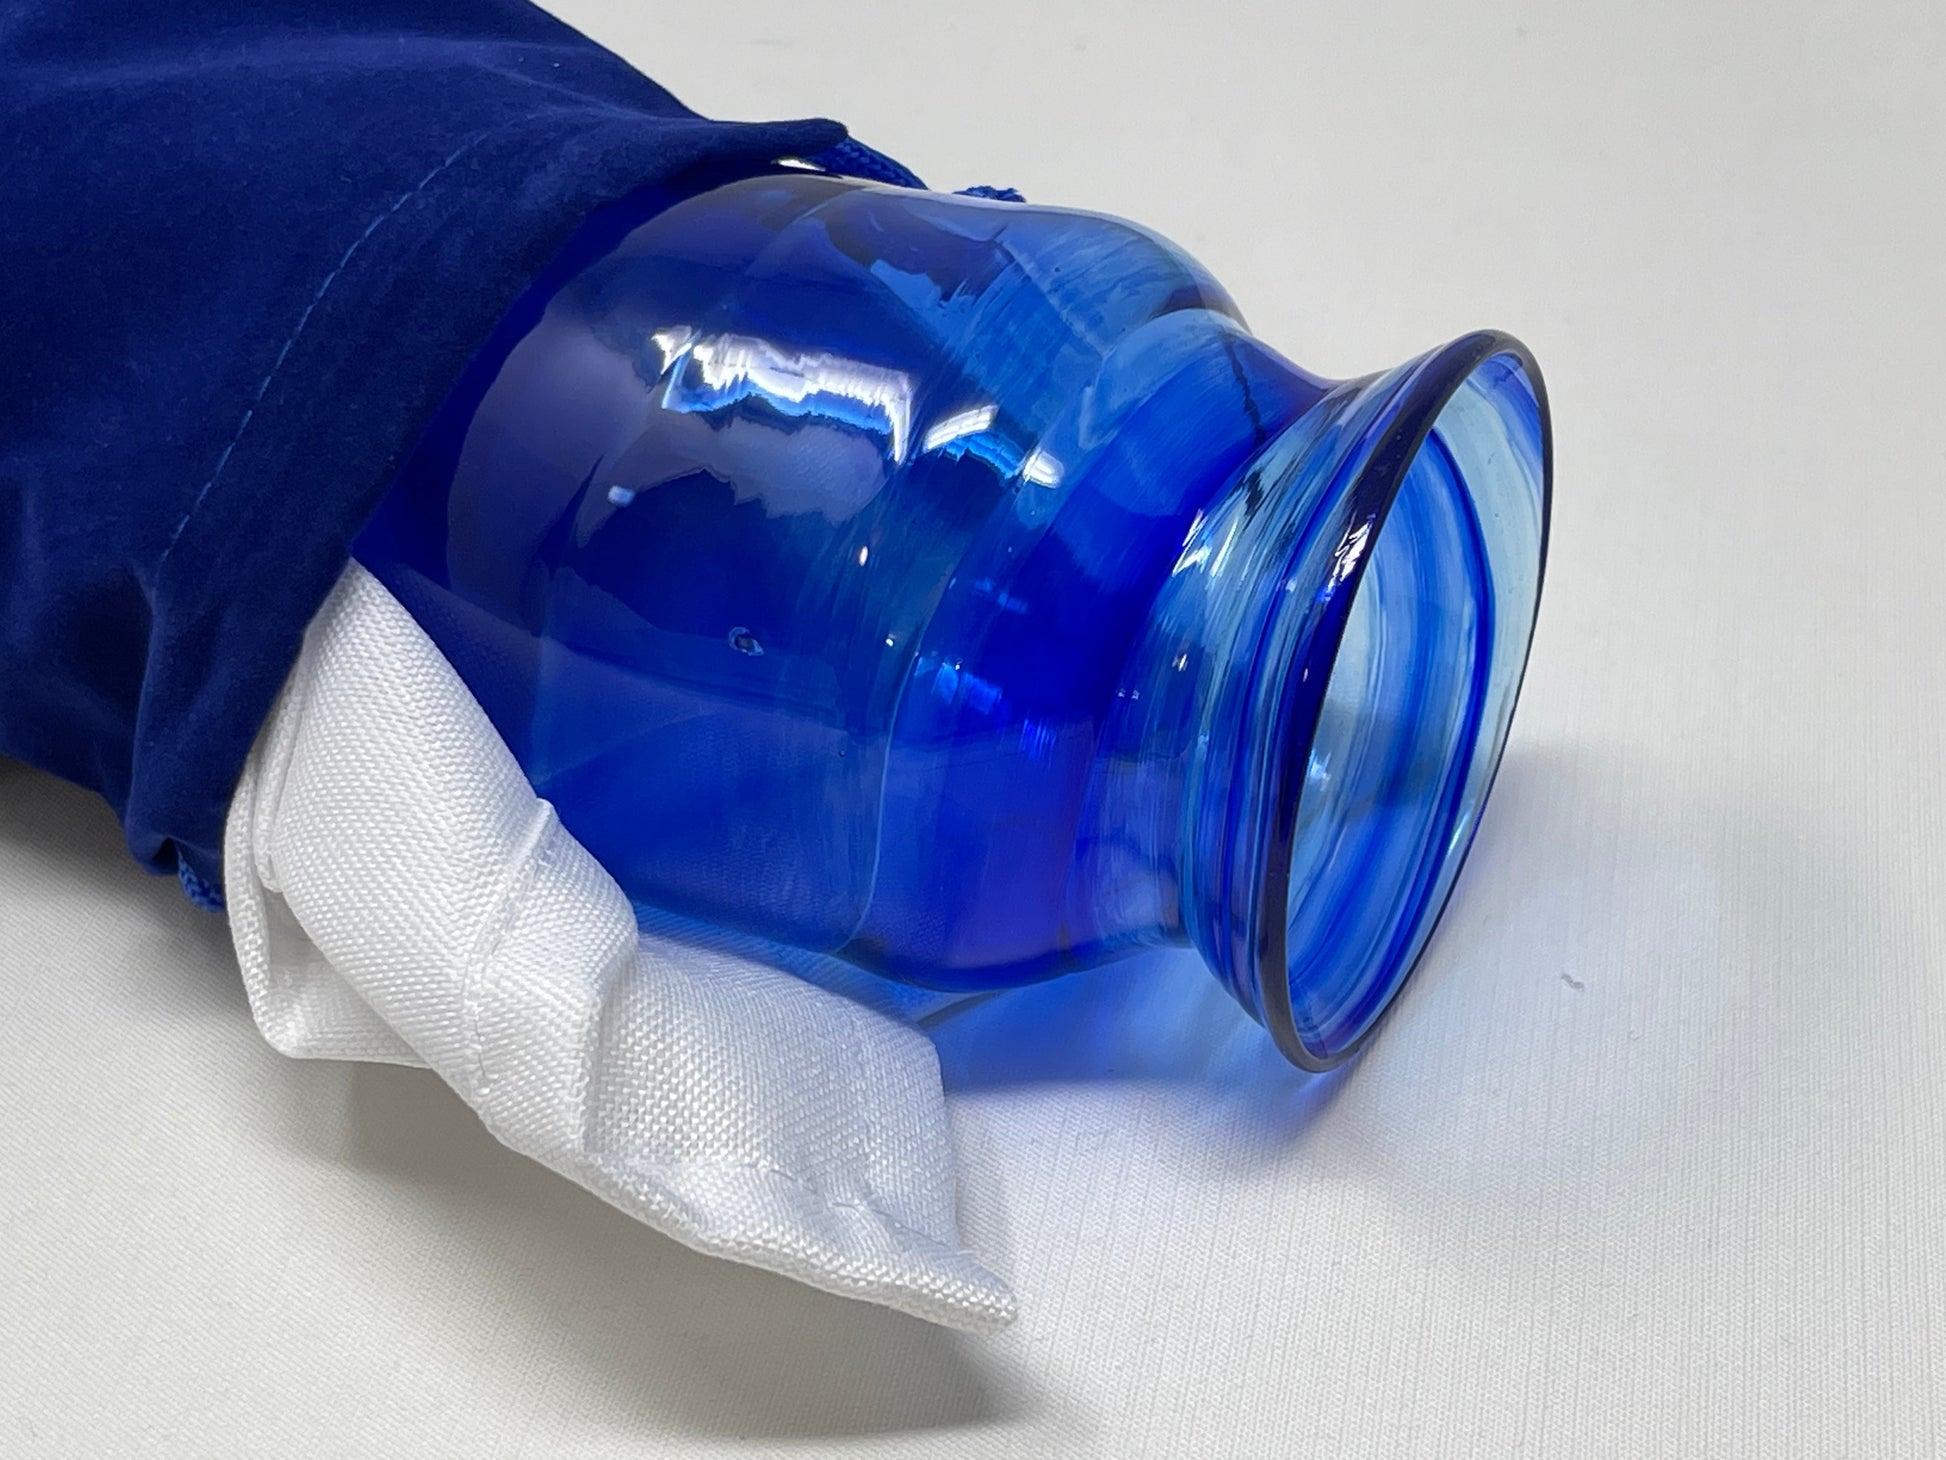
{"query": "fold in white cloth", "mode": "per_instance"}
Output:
(398, 893)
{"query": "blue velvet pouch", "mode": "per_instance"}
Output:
(245, 250)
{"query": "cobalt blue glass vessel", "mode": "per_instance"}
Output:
(958, 586)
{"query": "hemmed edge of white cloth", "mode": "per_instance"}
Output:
(398, 893)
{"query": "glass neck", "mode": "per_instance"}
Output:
(1313, 715)
(1185, 783)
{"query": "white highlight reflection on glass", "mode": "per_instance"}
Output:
(1041, 469)
(969, 422)
(714, 372)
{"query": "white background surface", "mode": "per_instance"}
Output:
(1653, 1157)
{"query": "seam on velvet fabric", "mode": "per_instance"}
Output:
(303, 319)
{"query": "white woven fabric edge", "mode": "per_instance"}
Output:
(397, 892)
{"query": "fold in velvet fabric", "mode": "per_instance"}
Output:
(244, 251)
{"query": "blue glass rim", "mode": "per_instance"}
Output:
(1389, 447)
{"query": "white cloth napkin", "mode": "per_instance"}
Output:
(397, 892)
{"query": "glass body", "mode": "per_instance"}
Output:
(958, 586)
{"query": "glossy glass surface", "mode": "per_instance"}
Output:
(957, 585)
(1417, 709)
